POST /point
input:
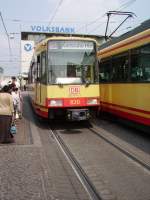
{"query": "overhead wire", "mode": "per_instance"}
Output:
(121, 7)
(124, 5)
(54, 14)
(6, 32)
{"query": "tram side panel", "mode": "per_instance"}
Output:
(125, 77)
(127, 101)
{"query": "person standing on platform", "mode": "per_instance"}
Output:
(13, 83)
(17, 102)
(6, 115)
(14, 88)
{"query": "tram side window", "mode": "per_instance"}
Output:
(32, 73)
(43, 67)
(38, 69)
(120, 67)
(136, 68)
(105, 71)
(145, 62)
(140, 65)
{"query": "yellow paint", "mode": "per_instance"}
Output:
(63, 92)
(129, 95)
(54, 91)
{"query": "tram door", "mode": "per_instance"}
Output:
(41, 78)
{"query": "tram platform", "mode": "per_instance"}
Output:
(33, 167)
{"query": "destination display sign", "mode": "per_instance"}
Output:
(70, 45)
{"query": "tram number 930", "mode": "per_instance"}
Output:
(75, 102)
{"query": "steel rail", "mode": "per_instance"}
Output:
(122, 150)
(83, 178)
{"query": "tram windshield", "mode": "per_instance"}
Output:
(71, 62)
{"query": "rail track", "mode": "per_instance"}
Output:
(89, 151)
(121, 147)
(87, 184)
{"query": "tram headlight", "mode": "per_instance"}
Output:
(92, 101)
(55, 102)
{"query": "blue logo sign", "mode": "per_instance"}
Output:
(27, 47)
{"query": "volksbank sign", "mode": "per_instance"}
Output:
(52, 29)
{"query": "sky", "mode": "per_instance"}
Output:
(87, 16)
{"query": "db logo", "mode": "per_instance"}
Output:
(74, 90)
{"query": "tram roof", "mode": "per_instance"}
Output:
(144, 26)
(67, 38)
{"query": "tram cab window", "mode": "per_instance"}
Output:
(72, 62)
(71, 71)
(87, 71)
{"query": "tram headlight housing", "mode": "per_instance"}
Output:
(92, 101)
(55, 102)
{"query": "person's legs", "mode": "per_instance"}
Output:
(5, 127)
(2, 128)
(19, 110)
(15, 111)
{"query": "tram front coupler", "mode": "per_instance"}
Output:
(78, 114)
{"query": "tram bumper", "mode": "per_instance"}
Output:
(78, 114)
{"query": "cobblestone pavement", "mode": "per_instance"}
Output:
(114, 175)
(33, 168)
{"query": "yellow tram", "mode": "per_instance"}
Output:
(63, 78)
(124, 72)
